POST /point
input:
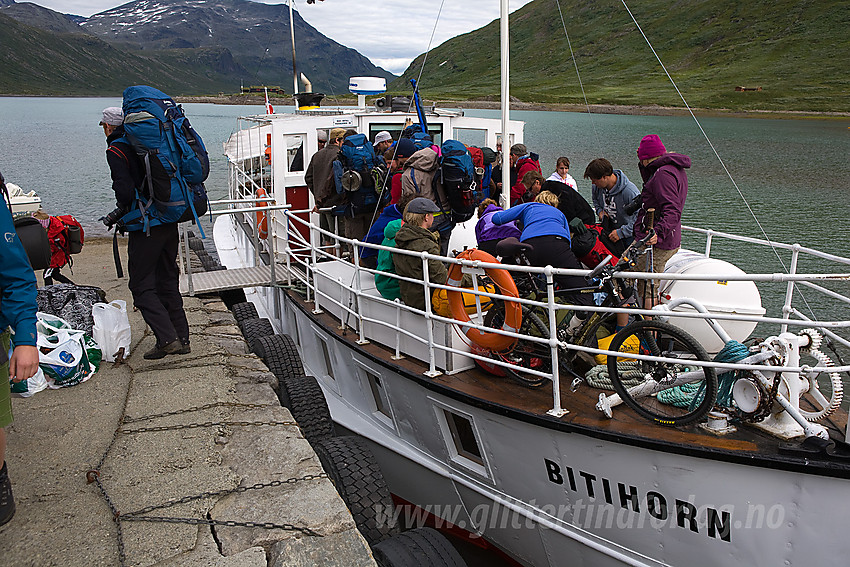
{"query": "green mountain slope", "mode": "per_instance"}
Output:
(796, 51)
(43, 63)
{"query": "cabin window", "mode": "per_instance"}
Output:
(463, 437)
(471, 136)
(295, 152)
(380, 398)
(435, 130)
(329, 369)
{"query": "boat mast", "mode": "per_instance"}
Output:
(506, 143)
(292, 33)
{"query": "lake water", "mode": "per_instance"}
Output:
(795, 174)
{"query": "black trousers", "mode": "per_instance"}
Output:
(155, 282)
(555, 251)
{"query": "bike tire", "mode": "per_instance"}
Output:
(529, 354)
(657, 338)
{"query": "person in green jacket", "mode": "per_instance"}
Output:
(415, 235)
(387, 285)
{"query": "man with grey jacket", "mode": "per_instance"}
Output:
(612, 193)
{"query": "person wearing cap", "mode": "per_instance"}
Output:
(319, 179)
(415, 236)
(383, 140)
(321, 139)
(665, 189)
(522, 161)
(403, 149)
(151, 254)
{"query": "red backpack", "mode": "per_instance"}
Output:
(66, 237)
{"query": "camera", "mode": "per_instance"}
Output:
(113, 217)
(633, 205)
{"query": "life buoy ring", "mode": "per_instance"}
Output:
(504, 281)
(262, 221)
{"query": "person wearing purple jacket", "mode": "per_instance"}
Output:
(665, 188)
(488, 234)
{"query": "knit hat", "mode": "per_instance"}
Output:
(113, 116)
(405, 148)
(322, 136)
(650, 147)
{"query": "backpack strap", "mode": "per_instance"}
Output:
(415, 185)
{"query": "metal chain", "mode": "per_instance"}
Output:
(225, 492)
(229, 523)
(93, 475)
(198, 408)
(206, 424)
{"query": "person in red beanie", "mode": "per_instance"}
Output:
(665, 188)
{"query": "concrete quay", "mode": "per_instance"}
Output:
(241, 438)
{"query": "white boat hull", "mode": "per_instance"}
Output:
(553, 493)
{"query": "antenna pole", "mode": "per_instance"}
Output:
(292, 33)
(506, 142)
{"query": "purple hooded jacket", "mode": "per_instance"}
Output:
(665, 188)
(486, 230)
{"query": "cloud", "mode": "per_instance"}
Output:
(390, 33)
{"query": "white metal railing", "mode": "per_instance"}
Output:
(301, 256)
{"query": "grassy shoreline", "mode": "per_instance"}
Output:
(634, 110)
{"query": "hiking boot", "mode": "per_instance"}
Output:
(184, 347)
(174, 347)
(7, 503)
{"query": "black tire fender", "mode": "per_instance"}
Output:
(420, 547)
(355, 473)
(244, 310)
(306, 402)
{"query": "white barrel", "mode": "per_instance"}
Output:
(717, 294)
(367, 85)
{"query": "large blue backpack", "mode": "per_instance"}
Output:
(457, 175)
(173, 156)
(355, 172)
(420, 139)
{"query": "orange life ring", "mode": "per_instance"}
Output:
(506, 285)
(262, 221)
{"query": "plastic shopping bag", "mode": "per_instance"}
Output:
(112, 329)
(30, 386)
(67, 356)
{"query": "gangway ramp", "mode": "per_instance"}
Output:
(221, 280)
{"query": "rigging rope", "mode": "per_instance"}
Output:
(578, 75)
(714, 150)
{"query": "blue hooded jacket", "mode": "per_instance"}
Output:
(376, 232)
(17, 284)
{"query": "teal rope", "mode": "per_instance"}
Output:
(689, 395)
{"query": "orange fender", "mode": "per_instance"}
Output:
(262, 221)
(506, 285)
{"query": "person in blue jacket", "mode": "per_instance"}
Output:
(546, 229)
(17, 316)
(369, 256)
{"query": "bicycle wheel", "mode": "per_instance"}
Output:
(526, 353)
(656, 338)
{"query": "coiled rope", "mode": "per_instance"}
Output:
(689, 395)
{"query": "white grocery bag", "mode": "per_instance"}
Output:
(111, 328)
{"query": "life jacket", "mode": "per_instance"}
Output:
(457, 175)
(174, 160)
(66, 237)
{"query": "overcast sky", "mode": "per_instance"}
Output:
(389, 32)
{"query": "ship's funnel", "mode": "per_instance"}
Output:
(308, 100)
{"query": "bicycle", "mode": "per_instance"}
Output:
(642, 336)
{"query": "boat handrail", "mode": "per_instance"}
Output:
(552, 271)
